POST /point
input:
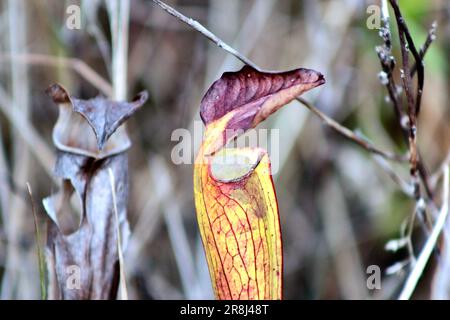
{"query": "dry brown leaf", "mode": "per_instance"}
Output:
(82, 251)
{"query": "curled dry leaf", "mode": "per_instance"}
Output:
(249, 96)
(87, 126)
(86, 257)
(237, 211)
(81, 250)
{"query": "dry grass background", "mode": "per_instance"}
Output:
(338, 207)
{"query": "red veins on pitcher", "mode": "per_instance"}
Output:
(235, 199)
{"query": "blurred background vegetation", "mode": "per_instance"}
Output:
(338, 207)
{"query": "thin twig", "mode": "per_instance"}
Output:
(406, 47)
(407, 86)
(5, 188)
(41, 259)
(347, 133)
(208, 34)
(75, 64)
(123, 283)
(160, 175)
(418, 171)
(351, 135)
(388, 63)
(404, 186)
(429, 246)
(90, 10)
(431, 36)
(36, 143)
(20, 110)
(438, 173)
(409, 233)
(119, 12)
